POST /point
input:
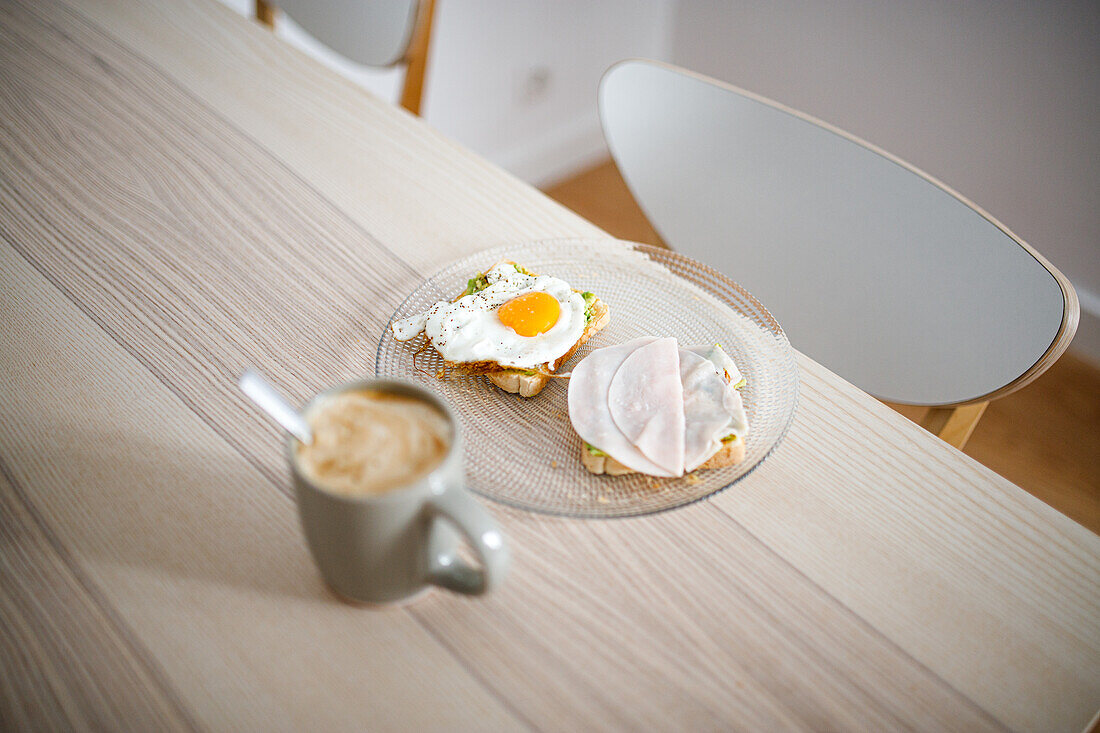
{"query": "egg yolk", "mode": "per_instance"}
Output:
(530, 314)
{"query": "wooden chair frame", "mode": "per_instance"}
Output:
(415, 58)
(954, 422)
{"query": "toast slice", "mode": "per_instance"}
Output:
(529, 382)
(730, 454)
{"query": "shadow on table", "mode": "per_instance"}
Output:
(179, 517)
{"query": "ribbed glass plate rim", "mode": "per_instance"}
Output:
(702, 276)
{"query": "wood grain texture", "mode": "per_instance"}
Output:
(76, 665)
(383, 170)
(936, 552)
(195, 548)
(867, 576)
(188, 228)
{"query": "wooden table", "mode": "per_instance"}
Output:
(182, 195)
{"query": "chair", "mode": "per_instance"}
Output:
(876, 270)
(374, 33)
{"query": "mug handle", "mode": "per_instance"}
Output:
(445, 568)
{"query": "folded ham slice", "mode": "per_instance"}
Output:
(706, 420)
(731, 399)
(646, 401)
(588, 407)
(654, 407)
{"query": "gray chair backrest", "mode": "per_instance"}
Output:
(874, 269)
(371, 32)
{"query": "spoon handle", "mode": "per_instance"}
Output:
(271, 402)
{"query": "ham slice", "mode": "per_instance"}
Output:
(656, 408)
(731, 400)
(646, 402)
(589, 385)
(705, 416)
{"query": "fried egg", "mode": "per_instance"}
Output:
(519, 321)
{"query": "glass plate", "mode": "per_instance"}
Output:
(524, 452)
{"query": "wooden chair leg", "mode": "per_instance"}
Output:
(953, 424)
(412, 93)
(265, 13)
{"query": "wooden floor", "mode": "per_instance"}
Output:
(1044, 438)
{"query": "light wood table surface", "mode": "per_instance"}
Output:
(183, 195)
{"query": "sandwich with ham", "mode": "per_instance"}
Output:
(650, 406)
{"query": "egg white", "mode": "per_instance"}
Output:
(469, 329)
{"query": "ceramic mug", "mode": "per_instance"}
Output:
(390, 547)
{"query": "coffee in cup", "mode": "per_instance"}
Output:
(367, 442)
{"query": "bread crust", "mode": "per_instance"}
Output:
(730, 454)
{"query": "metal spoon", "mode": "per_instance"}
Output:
(271, 402)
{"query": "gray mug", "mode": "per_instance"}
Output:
(390, 547)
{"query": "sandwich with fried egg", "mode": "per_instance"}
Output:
(511, 325)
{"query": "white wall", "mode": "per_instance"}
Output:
(999, 99)
(516, 80)
(484, 86)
